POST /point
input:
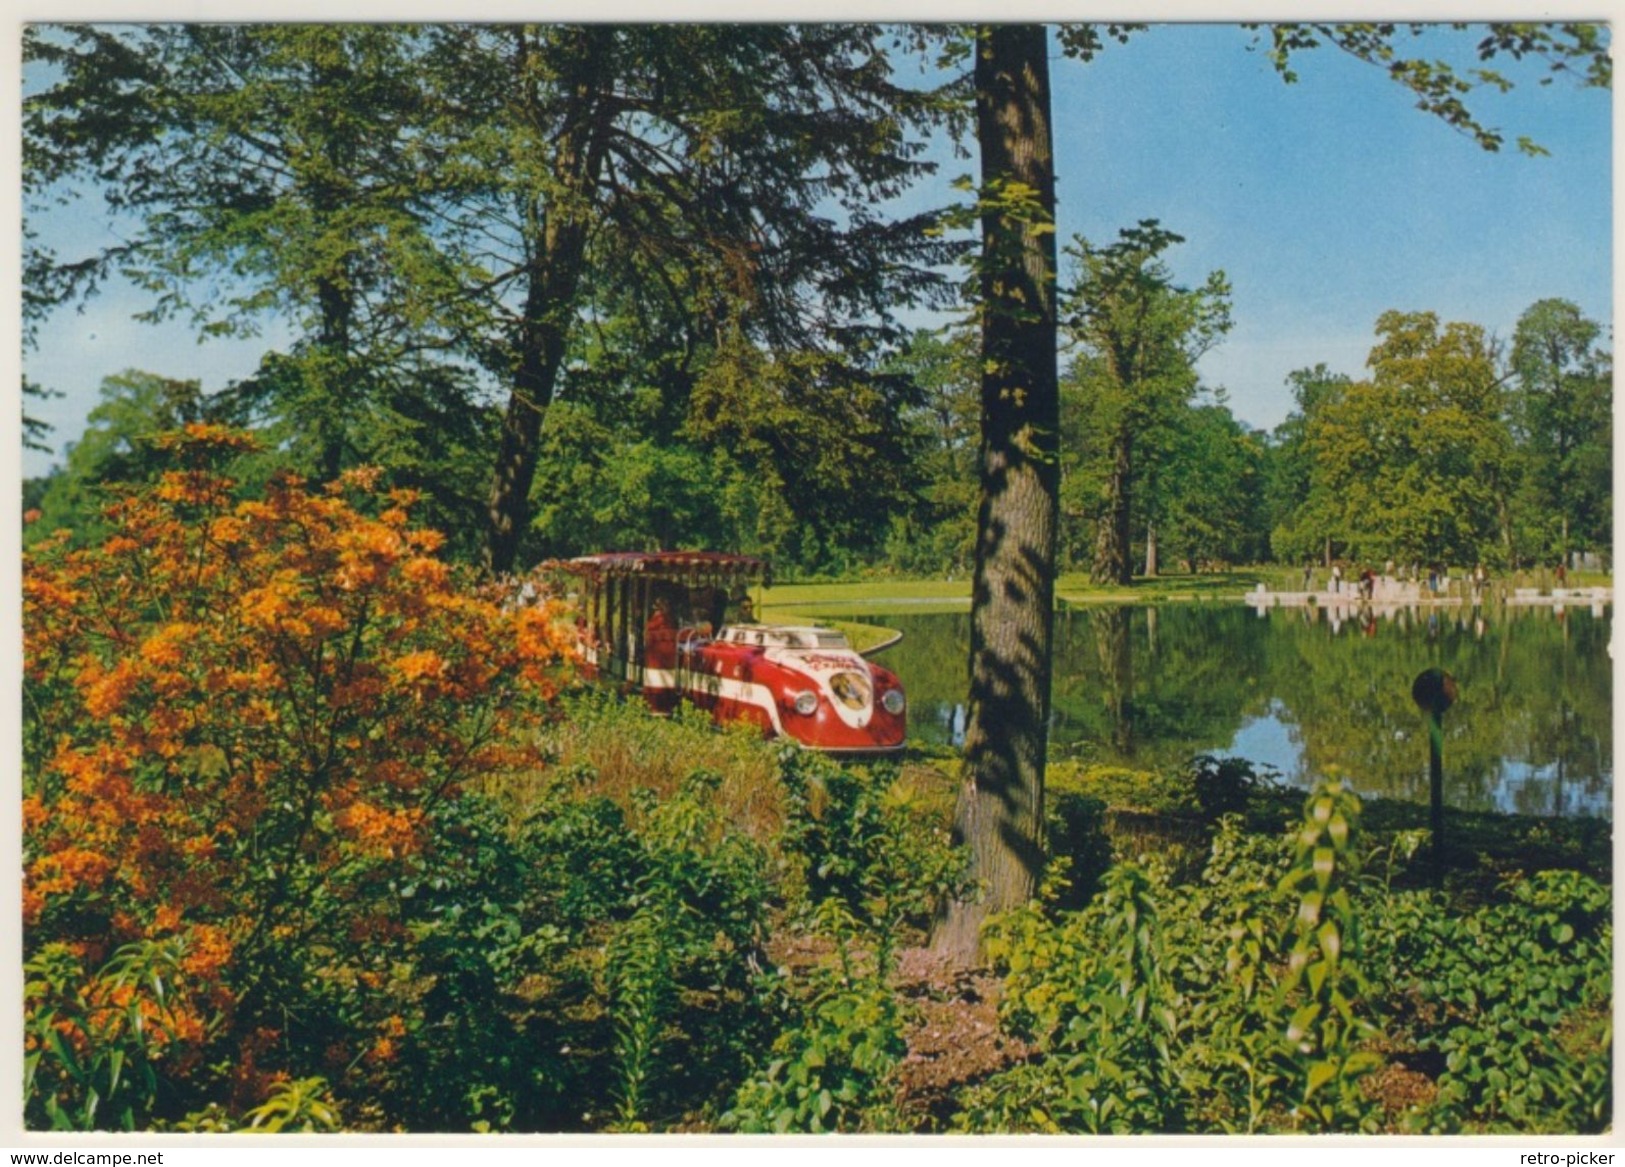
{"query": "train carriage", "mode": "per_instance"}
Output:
(677, 625)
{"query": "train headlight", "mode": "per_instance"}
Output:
(806, 702)
(893, 701)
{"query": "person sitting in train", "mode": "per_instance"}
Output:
(660, 637)
(740, 609)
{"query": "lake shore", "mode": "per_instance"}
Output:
(829, 603)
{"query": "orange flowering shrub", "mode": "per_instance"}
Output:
(240, 718)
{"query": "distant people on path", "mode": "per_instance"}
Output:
(1308, 577)
(1562, 576)
(1337, 578)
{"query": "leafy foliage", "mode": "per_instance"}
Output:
(834, 1069)
(94, 1044)
(1243, 1002)
(1412, 457)
(1562, 415)
(1139, 336)
(1515, 1000)
(1322, 978)
(1571, 50)
(1103, 1015)
(241, 721)
(861, 843)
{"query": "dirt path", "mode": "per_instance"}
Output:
(956, 1040)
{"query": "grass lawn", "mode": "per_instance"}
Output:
(897, 596)
(831, 603)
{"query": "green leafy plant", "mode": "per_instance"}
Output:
(94, 1045)
(1513, 999)
(834, 1068)
(299, 1105)
(1092, 994)
(641, 992)
(1226, 785)
(1077, 838)
(1323, 986)
(854, 837)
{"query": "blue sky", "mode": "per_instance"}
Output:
(1327, 203)
(1333, 200)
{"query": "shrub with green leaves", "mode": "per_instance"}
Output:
(94, 1045)
(1323, 988)
(1231, 1004)
(1226, 785)
(1119, 787)
(834, 1067)
(852, 835)
(1513, 1000)
(1079, 848)
(584, 968)
(1092, 995)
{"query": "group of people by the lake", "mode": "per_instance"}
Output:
(1363, 585)
(1435, 580)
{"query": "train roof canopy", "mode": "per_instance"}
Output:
(693, 568)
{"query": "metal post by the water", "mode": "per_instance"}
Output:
(1434, 691)
(1436, 790)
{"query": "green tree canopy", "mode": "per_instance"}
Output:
(1139, 337)
(1299, 524)
(1411, 464)
(1562, 415)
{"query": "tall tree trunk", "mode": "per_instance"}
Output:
(1503, 526)
(557, 241)
(338, 375)
(336, 365)
(553, 278)
(1000, 813)
(1150, 496)
(1114, 557)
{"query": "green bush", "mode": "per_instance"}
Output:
(584, 968)
(1121, 788)
(1226, 785)
(1512, 1000)
(1091, 994)
(1079, 846)
(1232, 1004)
(95, 1045)
(853, 835)
(833, 1068)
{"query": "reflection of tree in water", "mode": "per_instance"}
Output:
(1531, 732)
(1111, 632)
(1505, 737)
(1151, 687)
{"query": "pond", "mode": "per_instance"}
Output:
(1309, 696)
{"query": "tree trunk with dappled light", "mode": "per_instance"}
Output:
(1001, 805)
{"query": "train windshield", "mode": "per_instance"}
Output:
(769, 637)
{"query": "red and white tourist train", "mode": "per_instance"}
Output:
(679, 624)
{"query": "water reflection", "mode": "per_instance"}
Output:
(1311, 692)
